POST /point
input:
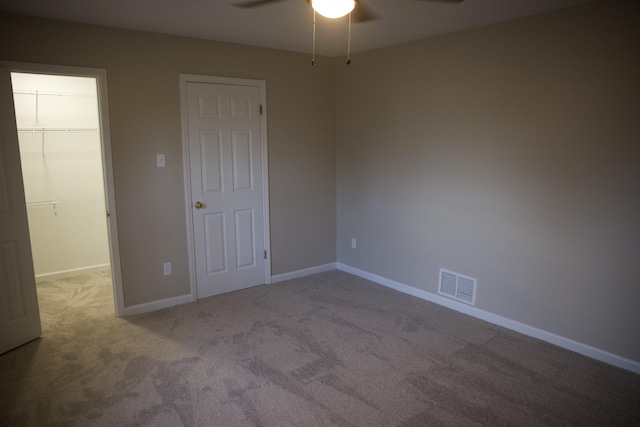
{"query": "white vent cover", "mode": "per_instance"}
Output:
(457, 286)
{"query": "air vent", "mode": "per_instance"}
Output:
(457, 286)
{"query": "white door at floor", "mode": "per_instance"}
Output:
(226, 178)
(19, 314)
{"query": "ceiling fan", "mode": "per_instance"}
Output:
(357, 10)
(360, 11)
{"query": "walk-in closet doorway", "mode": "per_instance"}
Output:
(62, 129)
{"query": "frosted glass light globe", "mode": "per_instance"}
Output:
(333, 8)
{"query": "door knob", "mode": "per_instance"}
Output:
(198, 205)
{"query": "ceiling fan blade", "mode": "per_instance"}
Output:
(363, 13)
(255, 3)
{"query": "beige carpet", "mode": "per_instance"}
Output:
(329, 349)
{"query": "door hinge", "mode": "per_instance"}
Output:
(265, 254)
(260, 109)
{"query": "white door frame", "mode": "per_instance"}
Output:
(107, 165)
(261, 84)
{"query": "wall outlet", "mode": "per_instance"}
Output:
(167, 268)
(160, 160)
(354, 243)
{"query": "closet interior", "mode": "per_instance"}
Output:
(61, 157)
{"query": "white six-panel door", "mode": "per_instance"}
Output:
(19, 315)
(226, 180)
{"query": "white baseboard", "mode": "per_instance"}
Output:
(304, 272)
(47, 277)
(569, 344)
(157, 305)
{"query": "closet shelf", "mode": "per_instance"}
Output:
(53, 93)
(40, 203)
(43, 206)
(57, 129)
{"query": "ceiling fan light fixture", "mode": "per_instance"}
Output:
(333, 8)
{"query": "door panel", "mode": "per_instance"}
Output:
(245, 239)
(12, 284)
(242, 161)
(211, 152)
(215, 242)
(19, 315)
(225, 160)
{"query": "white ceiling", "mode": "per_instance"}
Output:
(287, 24)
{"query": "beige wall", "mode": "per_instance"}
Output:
(144, 108)
(509, 153)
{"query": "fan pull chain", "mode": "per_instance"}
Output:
(349, 42)
(313, 57)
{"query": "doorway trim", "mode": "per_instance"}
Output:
(261, 84)
(107, 164)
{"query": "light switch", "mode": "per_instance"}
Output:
(160, 160)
